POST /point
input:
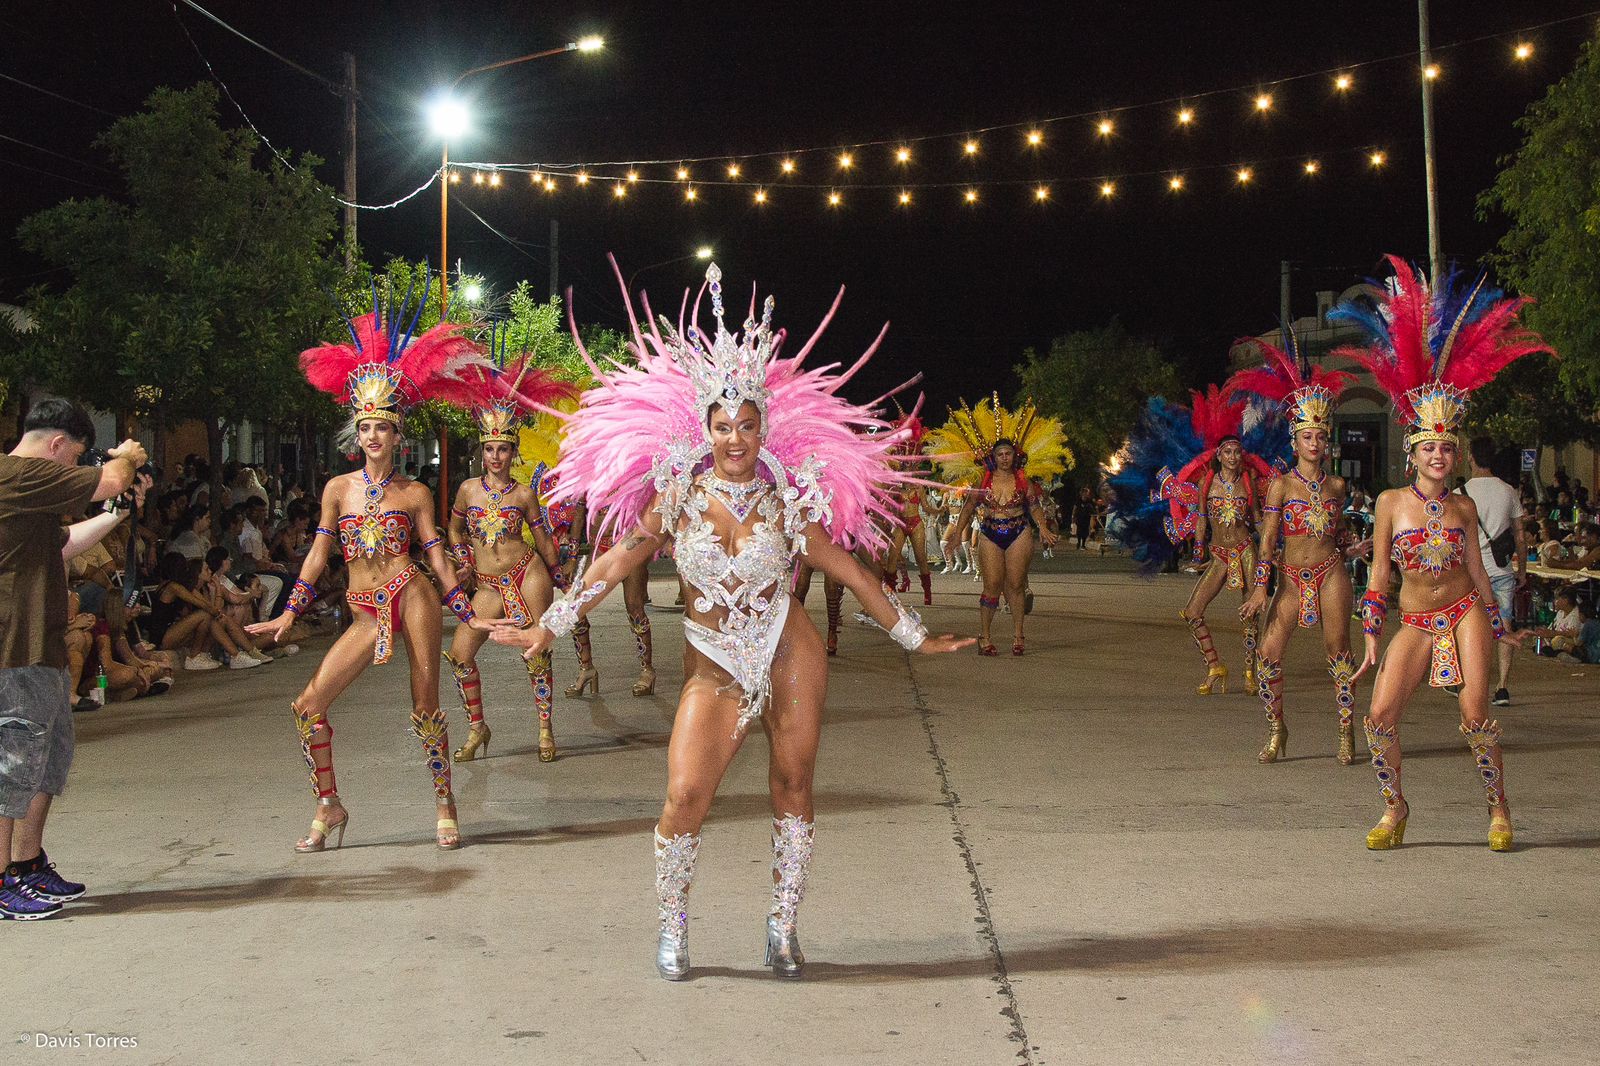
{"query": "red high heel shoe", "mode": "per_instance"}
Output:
(1016, 649)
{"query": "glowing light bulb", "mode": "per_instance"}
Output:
(1377, 159)
(538, 178)
(761, 196)
(1042, 193)
(550, 185)
(787, 166)
(633, 175)
(971, 148)
(1108, 188)
(691, 193)
(834, 199)
(704, 252)
(1175, 183)
(1105, 127)
(583, 177)
(733, 170)
(1264, 102)
(472, 292)
(1244, 174)
(619, 190)
(477, 177)
(1343, 82)
(902, 155)
(1312, 166)
(971, 196)
(846, 161)
(1431, 71)
(1524, 50)
(1185, 115)
(1035, 138)
(683, 173)
(455, 178)
(905, 198)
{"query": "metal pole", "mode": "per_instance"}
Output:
(444, 227)
(1283, 294)
(349, 161)
(555, 258)
(1435, 257)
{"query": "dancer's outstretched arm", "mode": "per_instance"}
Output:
(823, 554)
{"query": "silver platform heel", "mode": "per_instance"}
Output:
(791, 862)
(675, 860)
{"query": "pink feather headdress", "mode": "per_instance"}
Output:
(1308, 395)
(637, 417)
(1433, 345)
(387, 368)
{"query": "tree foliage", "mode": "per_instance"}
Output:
(1550, 192)
(1096, 382)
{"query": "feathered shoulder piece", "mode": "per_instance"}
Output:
(642, 431)
(1308, 392)
(387, 367)
(1432, 345)
(511, 390)
(962, 446)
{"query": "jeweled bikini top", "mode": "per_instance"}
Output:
(374, 532)
(495, 523)
(742, 582)
(1230, 508)
(1432, 549)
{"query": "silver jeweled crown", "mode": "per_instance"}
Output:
(731, 369)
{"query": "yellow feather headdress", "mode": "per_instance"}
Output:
(962, 445)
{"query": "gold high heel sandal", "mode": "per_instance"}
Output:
(440, 827)
(1499, 833)
(646, 685)
(305, 845)
(1216, 683)
(1386, 835)
(1277, 742)
(588, 677)
(547, 744)
(477, 739)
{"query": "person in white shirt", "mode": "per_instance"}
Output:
(1499, 516)
(252, 543)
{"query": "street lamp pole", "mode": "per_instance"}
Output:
(1430, 165)
(703, 253)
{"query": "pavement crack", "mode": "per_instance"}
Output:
(980, 894)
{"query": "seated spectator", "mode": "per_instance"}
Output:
(1562, 633)
(1550, 547)
(191, 534)
(240, 597)
(80, 640)
(1566, 514)
(189, 614)
(1588, 553)
(155, 670)
(291, 543)
(256, 560)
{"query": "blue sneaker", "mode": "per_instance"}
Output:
(19, 904)
(43, 881)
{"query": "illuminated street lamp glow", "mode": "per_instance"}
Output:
(448, 118)
(472, 292)
(591, 43)
(704, 252)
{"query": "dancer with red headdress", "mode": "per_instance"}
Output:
(1431, 348)
(1305, 507)
(513, 580)
(1198, 474)
(674, 452)
(373, 514)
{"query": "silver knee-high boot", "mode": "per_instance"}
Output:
(674, 871)
(791, 863)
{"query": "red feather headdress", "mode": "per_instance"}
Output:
(1308, 396)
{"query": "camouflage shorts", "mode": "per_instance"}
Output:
(36, 737)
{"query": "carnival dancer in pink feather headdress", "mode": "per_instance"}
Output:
(746, 462)
(1432, 345)
(512, 580)
(373, 513)
(1306, 507)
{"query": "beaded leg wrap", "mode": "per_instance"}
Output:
(432, 729)
(541, 676)
(675, 861)
(1202, 637)
(1384, 744)
(469, 686)
(580, 643)
(641, 640)
(1252, 634)
(791, 864)
(1484, 740)
(1269, 686)
(316, 735)
(1342, 668)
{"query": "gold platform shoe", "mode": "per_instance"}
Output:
(1500, 833)
(477, 743)
(1277, 742)
(1216, 683)
(1386, 835)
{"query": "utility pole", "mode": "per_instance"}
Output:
(349, 94)
(555, 258)
(1283, 294)
(1425, 53)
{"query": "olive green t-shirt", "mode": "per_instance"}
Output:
(34, 494)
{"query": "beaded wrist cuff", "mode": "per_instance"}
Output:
(562, 617)
(300, 598)
(463, 554)
(430, 544)
(1263, 574)
(324, 531)
(1496, 622)
(456, 599)
(1374, 611)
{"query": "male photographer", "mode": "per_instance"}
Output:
(39, 482)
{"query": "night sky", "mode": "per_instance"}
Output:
(966, 287)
